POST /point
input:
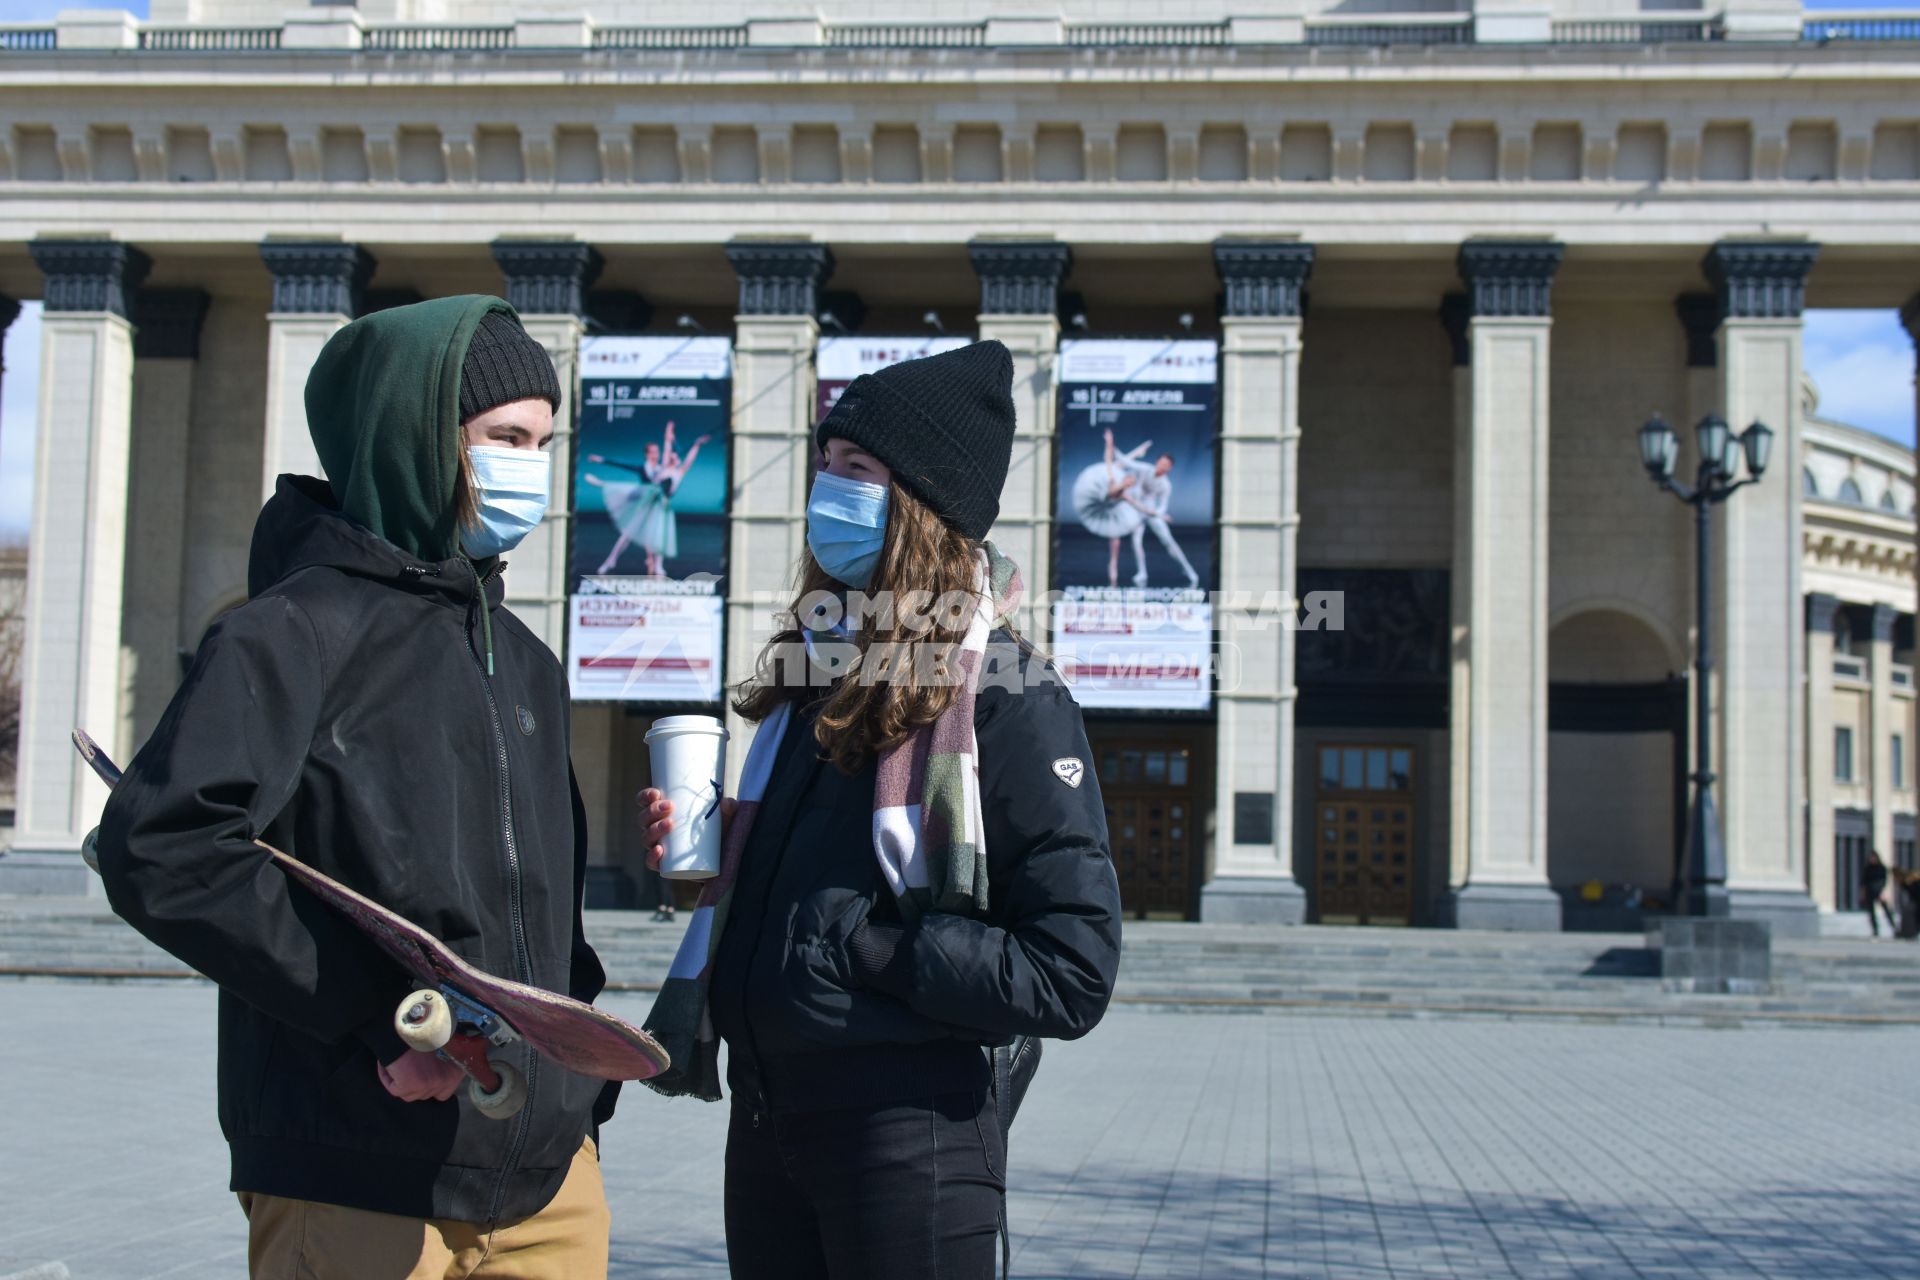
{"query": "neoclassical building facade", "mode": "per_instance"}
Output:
(1451, 259)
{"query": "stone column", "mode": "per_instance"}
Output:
(1502, 489)
(316, 291)
(1252, 878)
(1019, 304)
(1820, 614)
(1883, 719)
(547, 284)
(70, 673)
(1760, 640)
(166, 348)
(773, 409)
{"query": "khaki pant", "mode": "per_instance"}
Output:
(306, 1240)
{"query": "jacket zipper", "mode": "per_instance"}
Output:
(522, 959)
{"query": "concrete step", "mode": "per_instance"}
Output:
(1167, 965)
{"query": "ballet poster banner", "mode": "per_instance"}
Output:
(650, 519)
(1133, 556)
(838, 361)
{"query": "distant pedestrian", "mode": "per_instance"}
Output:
(1909, 882)
(1873, 884)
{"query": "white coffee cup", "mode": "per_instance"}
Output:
(689, 761)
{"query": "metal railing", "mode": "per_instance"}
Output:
(669, 37)
(910, 35)
(1664, 29)
(1148, 33)
(35, 38)
(1381, 29)
(1862, 24)
(210, 39)
(433, 38)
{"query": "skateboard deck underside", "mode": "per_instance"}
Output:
(578, 1036)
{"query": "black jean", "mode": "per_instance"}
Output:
(909, 1189)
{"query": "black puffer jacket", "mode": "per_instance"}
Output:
(826, 998)
(344, 714)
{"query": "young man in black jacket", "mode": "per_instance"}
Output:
(373, 711)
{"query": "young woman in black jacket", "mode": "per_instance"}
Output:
(917, 868)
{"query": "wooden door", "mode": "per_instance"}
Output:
(1148, 786)
(1363, 835)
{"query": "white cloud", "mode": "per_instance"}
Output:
(19, 422)
(1862, 363)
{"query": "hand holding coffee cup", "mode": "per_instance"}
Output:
(686, 811)
(656, 812)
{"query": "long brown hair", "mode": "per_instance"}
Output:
(924, 564)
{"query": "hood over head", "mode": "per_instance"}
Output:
(383, 407)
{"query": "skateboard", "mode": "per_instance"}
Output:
(460, 1010)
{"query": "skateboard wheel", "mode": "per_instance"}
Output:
(424, 1022)
(503, 1102)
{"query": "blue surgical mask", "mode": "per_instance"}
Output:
(847, 527)
(512, 485)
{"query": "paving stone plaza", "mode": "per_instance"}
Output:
(1166, 1144)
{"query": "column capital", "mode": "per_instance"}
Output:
(780, 278)
(316, 277)
(1700, 316)
(1262, 278)
(1510, 277)
(9, 312)
(1456, 311)
(1884, 616)
(548, 277)
(1910, 317)
(89, 275)
(166, 323)
(1822, 609)
(1019, 277)
(1760, 281)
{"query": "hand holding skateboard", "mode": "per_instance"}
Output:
(460, 1010)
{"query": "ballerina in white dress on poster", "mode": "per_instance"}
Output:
(1121, 497)
(643, 510)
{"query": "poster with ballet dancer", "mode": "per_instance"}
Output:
(650, 519)
(1134, 520)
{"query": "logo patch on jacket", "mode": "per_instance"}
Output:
(525, 717)
(1069, 769)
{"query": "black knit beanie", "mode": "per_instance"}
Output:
(505, 364)
(943, 425)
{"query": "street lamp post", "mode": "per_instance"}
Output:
(1704, 877)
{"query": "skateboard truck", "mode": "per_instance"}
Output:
(446, 1023)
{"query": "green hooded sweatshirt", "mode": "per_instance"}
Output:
(383, 406)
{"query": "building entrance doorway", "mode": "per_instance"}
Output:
(1153, 824)
(1363, 835)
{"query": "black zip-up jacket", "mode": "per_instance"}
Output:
(827, 998)
(344, 715)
